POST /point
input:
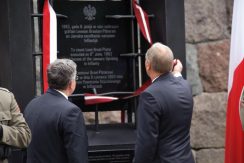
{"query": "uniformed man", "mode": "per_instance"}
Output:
(14, 131)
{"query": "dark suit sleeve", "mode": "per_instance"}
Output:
(147, 129)
(75, 137)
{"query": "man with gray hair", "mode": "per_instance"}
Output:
(164, 111)
(57, 125)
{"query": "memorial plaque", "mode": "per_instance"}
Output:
(95, 43)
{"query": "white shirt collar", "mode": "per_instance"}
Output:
(62, 93)
(154, 79)
(177, 74)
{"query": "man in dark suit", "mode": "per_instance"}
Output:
(57, 125)
(164, 112)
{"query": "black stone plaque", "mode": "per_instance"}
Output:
(95, 43)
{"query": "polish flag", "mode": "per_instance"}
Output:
(142, 20)
(234, 145)
(49, 42)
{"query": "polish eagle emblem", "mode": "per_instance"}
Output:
(89, 12)
(241, 109)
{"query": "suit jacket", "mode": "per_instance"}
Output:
(58, 130)
(164, 119)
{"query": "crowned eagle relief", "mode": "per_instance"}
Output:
(89, 12)
(241, 112)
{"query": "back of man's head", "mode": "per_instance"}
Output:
(60, 73)
(160, 57)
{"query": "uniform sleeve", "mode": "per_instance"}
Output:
(147, 129)
(16, 133)
(75, 137)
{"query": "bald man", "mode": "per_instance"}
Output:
(164, 112)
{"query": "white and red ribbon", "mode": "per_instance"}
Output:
(49, 42)
(92, 99)
(142, 20)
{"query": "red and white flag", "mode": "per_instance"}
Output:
(142, 20)
(234, 145)
(49, 41)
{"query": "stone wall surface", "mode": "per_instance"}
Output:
(208, 120)
(192, 70)
(229, 10)
(210, 156)
(208, 26)
(213, 59)
(205, 20)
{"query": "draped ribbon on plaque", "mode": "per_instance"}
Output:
(142, 20)
(49, 41)
(92, 99)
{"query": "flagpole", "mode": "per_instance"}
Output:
(96, 112)
(133, 61)
(139, 52)
(133, 46)
(139, 61)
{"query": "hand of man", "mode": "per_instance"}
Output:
(177, 67)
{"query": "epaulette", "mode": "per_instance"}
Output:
(4, 89)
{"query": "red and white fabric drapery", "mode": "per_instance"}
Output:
(142, 20)
(49, 42)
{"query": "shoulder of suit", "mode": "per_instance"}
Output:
(4, 90)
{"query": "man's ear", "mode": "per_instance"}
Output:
(147, 65)
(69, 87)
(73, 84)
(70, 84)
